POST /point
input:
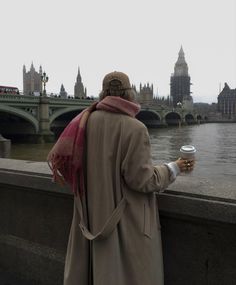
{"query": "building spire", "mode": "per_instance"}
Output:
(79, 90)
(62, 88)
(32, 66)
(181, 58)
(181, 51)
(63, 93)
(181, 67)
(79, 76)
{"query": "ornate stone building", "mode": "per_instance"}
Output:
(79, 91)
(227, 102)
(145, 95)
(180, 82)
(63, 93)
(32, 84)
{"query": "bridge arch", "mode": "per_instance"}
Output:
(63, 111)
(61, 118)
(22, 114)
(172, 118)
(189, 119)
(149, 117)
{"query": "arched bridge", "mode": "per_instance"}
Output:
(42, 117)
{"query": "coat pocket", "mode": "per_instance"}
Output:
(147, 230)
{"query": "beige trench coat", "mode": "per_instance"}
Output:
(119, 168)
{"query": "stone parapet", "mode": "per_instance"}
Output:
(198, 228)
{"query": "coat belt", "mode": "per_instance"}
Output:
(108, 226)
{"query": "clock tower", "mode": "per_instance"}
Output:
(180, 81)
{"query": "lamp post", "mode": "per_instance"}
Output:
(180, 105)
(44, 133)
(44, 79)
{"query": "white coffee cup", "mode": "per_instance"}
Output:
(187, 152)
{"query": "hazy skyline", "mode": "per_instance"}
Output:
(140, 38)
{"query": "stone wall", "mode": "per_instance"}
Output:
(198, 232)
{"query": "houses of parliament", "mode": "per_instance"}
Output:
(180, 89)
(32, 84)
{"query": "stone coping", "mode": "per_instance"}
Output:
(189, 196)
(201, 186)
(196, 186)
(28, 174)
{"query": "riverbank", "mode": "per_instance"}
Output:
(221, 121)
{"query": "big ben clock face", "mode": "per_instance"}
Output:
(179, 71)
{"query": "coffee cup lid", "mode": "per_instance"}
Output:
(188, 149)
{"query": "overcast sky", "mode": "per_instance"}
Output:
(139, 37)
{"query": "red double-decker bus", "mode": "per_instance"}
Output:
(8, 90)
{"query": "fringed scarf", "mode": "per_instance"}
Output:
(66, 159)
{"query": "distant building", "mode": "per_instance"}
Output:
(145, 95)
(79, 91)
(32, 84)
(180, 83)
(63, 93)
(227, 102)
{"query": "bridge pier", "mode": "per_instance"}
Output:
(42, 138)
(5, 147)
(44, 134)
(163, 121)
(44, 123)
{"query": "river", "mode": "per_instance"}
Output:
(215, 144)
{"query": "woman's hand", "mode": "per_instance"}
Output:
(185, 165)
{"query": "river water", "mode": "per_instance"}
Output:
(215, 144)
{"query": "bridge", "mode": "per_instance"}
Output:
(39, 119)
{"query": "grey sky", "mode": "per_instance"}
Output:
(141, 38)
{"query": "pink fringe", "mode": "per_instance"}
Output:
(66, 157)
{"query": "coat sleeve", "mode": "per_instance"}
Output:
(137, 170)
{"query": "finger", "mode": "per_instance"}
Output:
(190, 162)
(191, 168)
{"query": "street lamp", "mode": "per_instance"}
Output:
(44, 79)
(180, 105)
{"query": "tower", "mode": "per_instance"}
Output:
(63, 92)
(180, 82)
(145, 93)
(32, 80)
(227, 102)
(79, 91)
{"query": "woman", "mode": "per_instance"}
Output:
(104, 154)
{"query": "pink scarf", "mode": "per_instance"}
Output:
(66, 158)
